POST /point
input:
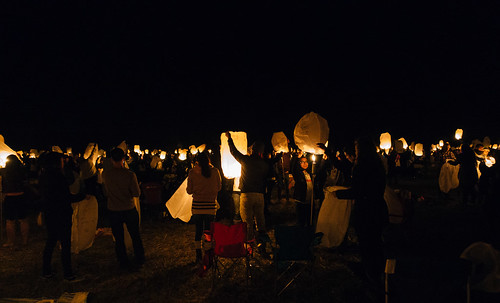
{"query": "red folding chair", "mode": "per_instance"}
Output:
(230, 247)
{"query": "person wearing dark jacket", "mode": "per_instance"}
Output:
(57, 199)
(303, 190)
(254, 171)
(370, 214)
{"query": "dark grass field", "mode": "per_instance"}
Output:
(427, 250)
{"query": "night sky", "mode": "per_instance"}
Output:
(180, 72)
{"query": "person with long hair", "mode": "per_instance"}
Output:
(370, 214)
(16, 206)
(204, 183)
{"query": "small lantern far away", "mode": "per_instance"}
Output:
(441, 144)
(459, 133)
(405, 144)
(193, 150)
(230, 167)
(309, 131)
(137, 149)
(489, 161)
(163, 155)
(280, 142)
(419, 150)
(201, 148)
(385, 142)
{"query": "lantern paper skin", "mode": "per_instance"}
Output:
(309, 131)
(459, 133)
(419, 149)
(280, 142)
(230, 167)
(385, 141)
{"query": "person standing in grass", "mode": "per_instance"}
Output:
(204, 182)
(121, 187)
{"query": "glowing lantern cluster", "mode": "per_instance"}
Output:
(230, 167)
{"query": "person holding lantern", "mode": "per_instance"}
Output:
(203, 182)
(254, 172)
(370, 214)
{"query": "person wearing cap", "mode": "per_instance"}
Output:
(254, 171)
(121, 187)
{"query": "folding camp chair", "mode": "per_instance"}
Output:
(294, 248)
(230, 247)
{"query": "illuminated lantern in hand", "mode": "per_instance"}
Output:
(459, 133)
(230, 167)
(137, 149)
(419, 149)
(309, 131)
(5, 151)
(280, 142)
(183, 154)
(385, 142)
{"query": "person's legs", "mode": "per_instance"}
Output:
(247, 214)
(64, 231)
(116, 220)
(132, 221)
(10, 228)
(50, 243)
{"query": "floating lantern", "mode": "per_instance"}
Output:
(441, 143)
(385, 142)
(405, 145)
(183, 154)
(163, 155)
(434, 147)
(137, 149)
(201, 148)
(230, 167)
(193, 150)
(489, 161)
(494, 146)
(419, 149)
(280, 142)
(309, 131)
(459, 133)
(69, 150)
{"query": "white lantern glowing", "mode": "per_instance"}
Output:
(459, 133)
(183, 154)
(309, 131)
(385, 142)
(163, 155)
(5, 151)
(494, 146)
(230, 167)
(489, 161)
(405, 144)
(419, 150)
(280, 142)
(193, 150)
(201, 148)
(69, 150)
(441, 143)
(137, 149)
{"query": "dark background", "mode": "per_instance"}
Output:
(170, 73)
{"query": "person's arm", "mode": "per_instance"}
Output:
(135, 190)
(219, 180)
(189, 188)
(232, 148)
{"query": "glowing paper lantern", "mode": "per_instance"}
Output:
(441, 143)
(419, 149)
(489, 161)
(459, 133)
(5, 151)
(280, 142)
(183, 154)
(163, 155)
(201, 148)
(193, 150)
(57, 149)
(405, 145)
(385, 142)
(137, 149)
(309, 131)
(230, 167)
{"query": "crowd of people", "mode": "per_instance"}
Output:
(52, 181)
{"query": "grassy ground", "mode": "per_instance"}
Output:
(428, 268)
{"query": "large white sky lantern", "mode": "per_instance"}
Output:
(309, 131)
(280, 142)
(5, 151)
(385, 141)
(459, 133)
(230, 167)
